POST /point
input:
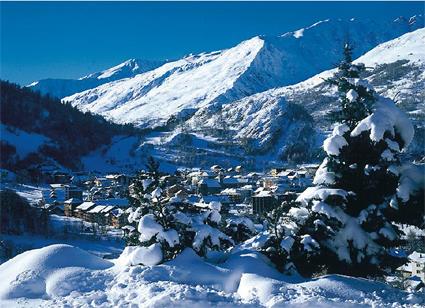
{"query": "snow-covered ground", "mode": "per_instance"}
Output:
(33, 194)
(63, 275)
(101, 247)
(24, 142)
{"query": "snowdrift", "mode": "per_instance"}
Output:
(62, 275)
(47, 272)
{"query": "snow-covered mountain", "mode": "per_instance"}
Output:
(179, 88)
(260, 101)
(64, 87)
(396, 70)
(398, 63)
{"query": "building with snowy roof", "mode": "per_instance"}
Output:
(209, 186)
(415, 266)
(70, 205)
(83, 208)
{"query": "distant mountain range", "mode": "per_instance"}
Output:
(60, 88)
(262, 100)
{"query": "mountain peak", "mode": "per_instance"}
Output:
(126, 69)
(149, 93)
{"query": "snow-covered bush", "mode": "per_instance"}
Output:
(343, 224)
(156, 225)
(279, 244)
(169, 224)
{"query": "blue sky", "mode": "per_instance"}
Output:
(71, 39)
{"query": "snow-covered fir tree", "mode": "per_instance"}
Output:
(355, 96)
(165, 226)
(343, 224)
(279, 244)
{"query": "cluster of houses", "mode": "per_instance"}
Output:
(103, 199)
(96, 199)
(260, 192)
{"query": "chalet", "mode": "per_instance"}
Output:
(263, 201)
(209, 186)
(233, 194)
(224, 200)
(115, 202)
(269, 182)
(192, 199)
(98, 214)
(56, 195)
(70, 205)
(196, 176)
(83, 208)
(128, 229)
(59, 193)
(414, 284)
(216, 168)
(253, 176)
(176, 200)
(310, 168)
(415, 266)
(233, 182)
(169, 180)
(96, 193)
(182, 194)
(103, 182)
(118, 179)
(246, 193)
(275, 171)
(216, 198)
(172, 190)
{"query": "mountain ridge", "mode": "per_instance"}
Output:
(60, 88)
(264, 62)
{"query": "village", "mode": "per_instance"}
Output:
(101, 201)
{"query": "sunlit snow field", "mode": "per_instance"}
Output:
(63, 275)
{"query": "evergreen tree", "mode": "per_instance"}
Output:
(342, 225)
(356, 98)
(174, 225)
(153, 167)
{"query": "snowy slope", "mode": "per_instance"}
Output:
(36, 273)
(181, 87)
(24, 142)
(62, 275)
(262, 124)
(263, 121)
(397, 69)
(64, 87)
(409, 46)
(407, 49)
